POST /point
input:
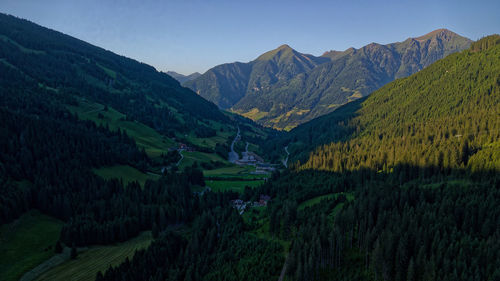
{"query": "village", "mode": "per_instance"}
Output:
(248, 158)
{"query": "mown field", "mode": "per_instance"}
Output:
(27, 242)
(126, 173)
(97, 258)
(200, 157)
(231, 185)
(233, 178)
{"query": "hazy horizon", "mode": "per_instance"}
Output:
(193, 36)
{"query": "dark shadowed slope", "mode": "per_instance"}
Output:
(75, 70)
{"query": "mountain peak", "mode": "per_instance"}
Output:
(280, 51)
(284, 47)
(440, 33)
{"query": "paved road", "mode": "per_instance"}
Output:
(244, 154)
(163, 169)
(285, 161)
(182, 157)
(233, 156)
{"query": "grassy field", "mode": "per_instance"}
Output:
(208, 142)
(126, 173)
(154, 143)
(226, 185)
(318, 199)
(200, 157)
(254, 114)
(27, 242)
(98, 258)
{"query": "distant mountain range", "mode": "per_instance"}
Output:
(284, 88)
(183, 78)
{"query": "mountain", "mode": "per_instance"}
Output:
(228, 84)
(183, 78)
(303, 87)
(76, 70)
(86, 79)
(444, 116)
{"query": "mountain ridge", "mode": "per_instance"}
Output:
(283, 88)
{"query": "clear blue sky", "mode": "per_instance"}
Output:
(194, 35)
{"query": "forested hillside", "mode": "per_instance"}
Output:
(366, 225)
(445, 117)
(74, 68)
(46, 162)
(218, 249)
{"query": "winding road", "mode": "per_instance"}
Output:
(285, 161)
(163, 169)
(182, 157)
(233, 156)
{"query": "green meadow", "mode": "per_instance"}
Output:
(27, 242)
(228, 185)
(190, 157)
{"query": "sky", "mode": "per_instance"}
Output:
(194, 35)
